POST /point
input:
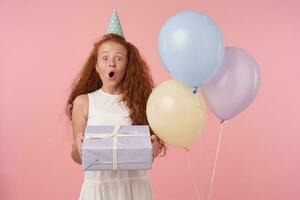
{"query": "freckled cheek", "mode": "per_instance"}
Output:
(122, 72)
(102, 72)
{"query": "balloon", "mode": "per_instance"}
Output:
(235, 84)
(175, 113)
(191, 47)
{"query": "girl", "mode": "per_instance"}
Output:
(113, 87)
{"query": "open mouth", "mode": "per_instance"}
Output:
(111, 75)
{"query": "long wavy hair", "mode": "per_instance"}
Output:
(137, 83)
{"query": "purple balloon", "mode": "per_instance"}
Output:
(234, 85)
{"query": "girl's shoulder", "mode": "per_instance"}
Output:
(81, 102)
(81, 99)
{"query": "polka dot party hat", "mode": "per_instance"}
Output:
(114, 25)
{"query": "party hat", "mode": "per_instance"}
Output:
(115, 25)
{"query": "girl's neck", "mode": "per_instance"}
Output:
(110, 90)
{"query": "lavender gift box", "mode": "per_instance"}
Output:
(120, 147)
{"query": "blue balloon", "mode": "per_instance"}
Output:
(191, 47)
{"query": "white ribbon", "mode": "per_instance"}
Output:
(114, 135)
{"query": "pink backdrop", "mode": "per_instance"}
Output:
(43, 46)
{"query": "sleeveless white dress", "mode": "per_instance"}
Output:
(105, 109)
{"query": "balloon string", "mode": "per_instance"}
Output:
(215, 162)
(195, 91)
(192, 176)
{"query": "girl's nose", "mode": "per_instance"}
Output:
(111, 64)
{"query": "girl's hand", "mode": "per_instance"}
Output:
(77, 144)
(155, 146)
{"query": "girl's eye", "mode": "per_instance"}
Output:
(105, 58)
(119, 58)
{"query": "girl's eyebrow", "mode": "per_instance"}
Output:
(104, 52)
(108, 52)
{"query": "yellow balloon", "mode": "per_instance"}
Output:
(176, 114)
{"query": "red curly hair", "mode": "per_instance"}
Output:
(136, 86)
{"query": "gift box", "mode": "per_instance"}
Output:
(120, 147)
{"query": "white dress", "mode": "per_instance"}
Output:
(104, 109)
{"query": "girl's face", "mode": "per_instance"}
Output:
(111, 64)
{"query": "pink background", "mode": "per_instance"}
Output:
(43, 46)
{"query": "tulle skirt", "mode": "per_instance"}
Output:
(116, 185)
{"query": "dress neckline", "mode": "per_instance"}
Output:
(110, 95)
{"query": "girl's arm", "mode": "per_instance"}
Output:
(79, 120)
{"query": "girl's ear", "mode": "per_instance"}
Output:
(96, 67)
